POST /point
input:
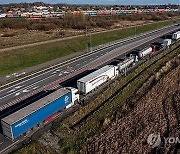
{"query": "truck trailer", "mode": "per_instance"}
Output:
(144, 52)
(33, 115)
(95, 79)
(127, 62)
(176, 35)
(167, 42)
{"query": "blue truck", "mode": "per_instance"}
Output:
(35, 114)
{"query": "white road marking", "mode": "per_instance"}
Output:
(17, 94)
(58, 70)
(17, 75)
(26, 90)
(14, 74)
(25, 81)
(35, 87)
(29, 86)
(18, 87)
(15, 88)
(8, 76)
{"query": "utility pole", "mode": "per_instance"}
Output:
(89, 45)
(135, 30)
(86, 31)
(157, 24)
(90, 41)
(125, 66)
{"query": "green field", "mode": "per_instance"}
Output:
(15, 60)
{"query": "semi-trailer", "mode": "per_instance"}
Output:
(176, 35)
(33, 115)
(128, 61)
(144, 52)
(95, 79)
(167, 42)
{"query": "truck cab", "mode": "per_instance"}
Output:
(74, 96)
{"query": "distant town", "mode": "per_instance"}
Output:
(42, 10)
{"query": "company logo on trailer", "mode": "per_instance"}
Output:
(22, 123)
(96, 80)
(66, 99)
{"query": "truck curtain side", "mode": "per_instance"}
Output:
(23, 120)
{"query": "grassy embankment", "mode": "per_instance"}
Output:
(19, 59)
(99, 113)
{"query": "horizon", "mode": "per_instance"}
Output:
(100, 2)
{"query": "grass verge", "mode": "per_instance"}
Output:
(16, 60)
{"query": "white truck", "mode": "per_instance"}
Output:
(144, 52)
(176, 35)
(126, 63)
(95, 79)
(167, 42)
(2, 15)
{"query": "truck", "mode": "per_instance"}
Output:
(3, 15)
(127, 62)
(176, 35)
(38, 113)
(95, 79)
(167, 42)
(144, 52)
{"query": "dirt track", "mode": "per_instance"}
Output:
(156, 112)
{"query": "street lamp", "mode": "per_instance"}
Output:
(89, 46)
(135, 30)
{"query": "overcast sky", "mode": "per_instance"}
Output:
(116, 2)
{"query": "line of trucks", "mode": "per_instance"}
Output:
(47, 108)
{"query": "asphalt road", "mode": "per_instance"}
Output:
(61, 72)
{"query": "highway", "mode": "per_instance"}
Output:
(23, 87)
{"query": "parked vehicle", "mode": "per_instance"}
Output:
(95, 79)
(127, 62)
(3, 15)
(144, 52)
(167, 42)
(35, 114)
(176, 35)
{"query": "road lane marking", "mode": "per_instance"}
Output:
(29, 86)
